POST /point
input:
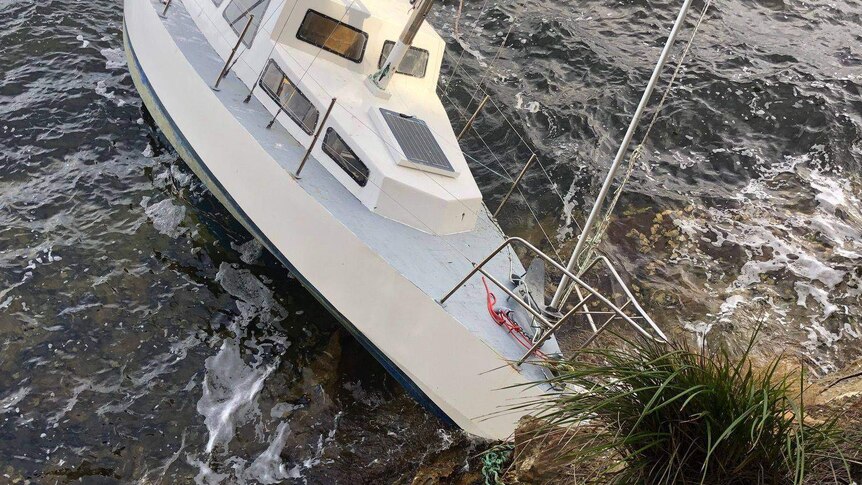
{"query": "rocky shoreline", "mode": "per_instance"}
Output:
(836, 395)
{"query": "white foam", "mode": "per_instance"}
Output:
(811, 248)
(529, 106)
(566, 229)
(167, 217)
(731, 303)
(268, 467)
(102, 90)
(114, 57)
(700, 329)
(206, 475)
(182, 179)
(821, 296)
(8, 403)
(230, 390)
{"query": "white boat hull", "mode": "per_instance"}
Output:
(439, 361)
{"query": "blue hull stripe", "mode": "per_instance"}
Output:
(212, 182)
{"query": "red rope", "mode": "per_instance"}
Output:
(501, 317)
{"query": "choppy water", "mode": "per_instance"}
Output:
(146, 339)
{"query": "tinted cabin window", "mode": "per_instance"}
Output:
(237, 12)
(337, 149)
(331, 35)
(291, 99)
(414, 63)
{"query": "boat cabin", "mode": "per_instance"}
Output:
(395, 150)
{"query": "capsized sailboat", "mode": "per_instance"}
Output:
(317, 124)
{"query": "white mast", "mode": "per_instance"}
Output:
(562, 289)
(380, 80)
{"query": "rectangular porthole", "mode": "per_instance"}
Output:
(297, 106)
(333, 36)
(414, 64)
(237, 12)
(341, 154)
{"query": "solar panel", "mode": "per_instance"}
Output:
(417, 143)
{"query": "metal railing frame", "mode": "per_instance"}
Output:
(616, 312)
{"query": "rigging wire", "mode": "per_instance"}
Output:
(456, 29)
(463, 50)
(509, 174)
(553, 184)
(595, 239)
(493, 61)
(520, 191)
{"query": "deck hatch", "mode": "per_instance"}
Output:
(418, 144)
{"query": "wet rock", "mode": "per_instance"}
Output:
(839, 396)
(839, 387)
(85, 469)
(451, 466)
(533, 458)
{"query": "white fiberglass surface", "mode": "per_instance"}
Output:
(432, 263)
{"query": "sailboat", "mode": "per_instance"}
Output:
(316, 123)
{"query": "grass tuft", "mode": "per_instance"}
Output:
(665, 413)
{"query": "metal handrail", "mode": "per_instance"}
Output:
(514, 185)
(617, 312)
(316, 136)
(629, 295)
(227, 64)
(165, 11)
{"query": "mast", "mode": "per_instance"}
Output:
(380, 79)
(563, 288)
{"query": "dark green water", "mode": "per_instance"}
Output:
(145, 339)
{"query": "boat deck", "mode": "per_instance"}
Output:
(433, 263)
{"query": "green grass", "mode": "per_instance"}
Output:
(664, 413)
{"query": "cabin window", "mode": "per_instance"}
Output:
(333, 36)
(237, 12)
(282, 91)
(414, 63)
(337, 149)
